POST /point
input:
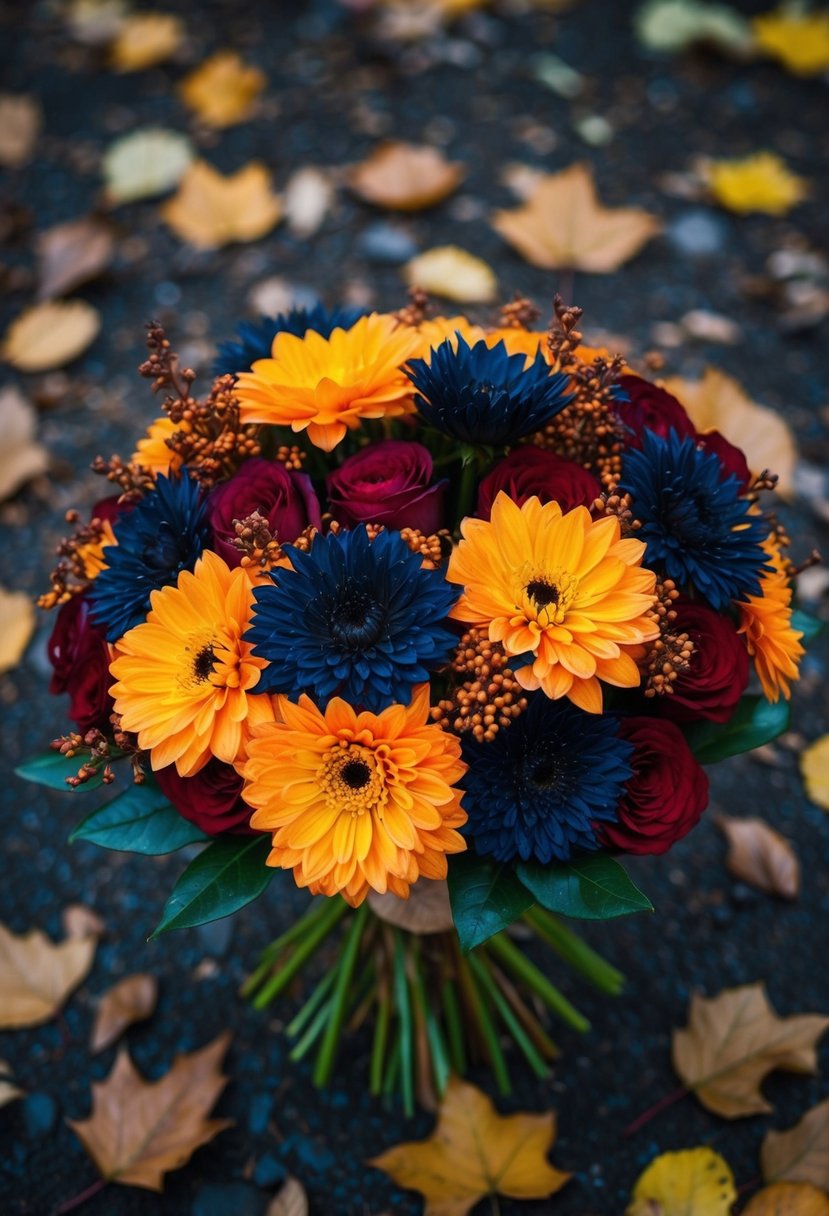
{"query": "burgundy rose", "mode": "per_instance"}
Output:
(79, 656)
(286, 498)
(650, 407)
(387, 483)
(718, 672)
(211, 799)
(732, 458)
(666, 795)
(110, 509)
(529, 471)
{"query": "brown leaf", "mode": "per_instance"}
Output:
(788, 1199)
(760, 856)
(80, 921)
(132, 999)
(144, 39)
(37, 975)
(139, 1130)
(427, 910)
(8, 1090)
(210, 210)
(71, 254)
(17, 612)
(802, 1153)
(731, 1043)
(21, 457)
(19, 125)
(405, 177)
(291, 1200)
(564, 226)
(50, 335)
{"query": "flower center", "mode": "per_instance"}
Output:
(203, 663)
(352, 780)
(356, 774)
(545, 596)
(356, 620)
(543, 593)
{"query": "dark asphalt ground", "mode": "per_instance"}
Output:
(332, 91)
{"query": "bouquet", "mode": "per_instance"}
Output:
(441, 620)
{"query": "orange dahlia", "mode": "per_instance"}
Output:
(185, 676)
(357, 800)
(564, 588)
(152, 451)
(766, 622)
(327, 385)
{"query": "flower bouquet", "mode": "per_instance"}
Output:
(441, 619)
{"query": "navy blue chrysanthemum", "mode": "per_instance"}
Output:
(696, 525)
(355, 618)
(254, 339)
(482, 395)
(165, 533)
(536, 790)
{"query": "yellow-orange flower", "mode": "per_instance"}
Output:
(565, 588)
(152, 451)
(357, 800)
(328, 385)
(766, 622)
(185, 676)
(91, 555)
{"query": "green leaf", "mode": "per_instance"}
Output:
(140, 820)
(592, 888)
(228, 874)
(755, 721)
(486, 896)
(808, 625)
(52, 769)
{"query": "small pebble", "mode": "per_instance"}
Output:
(268, 1171)
(697, 234)
(223, 1198)
(260, 1113)
(40, 1112)
(216, 936)
(387, 244)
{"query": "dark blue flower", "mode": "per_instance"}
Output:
(355, 618)
(482, 395)
(254, 339)
(537, 789)
(698, 528)
(165, 533)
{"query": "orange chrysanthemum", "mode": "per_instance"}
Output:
(185, 676)
(91, 555)
(566, 588)
(357, 800)
(152, 451)
(766, 622)
(327, 385)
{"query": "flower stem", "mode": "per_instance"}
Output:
(478, 1009)
(514, 960)
(437, 1052)
(404, 1014)
(328, 1050)
(297, 1025)
(509, 1019)
(452, 1018)
(575, 952)
(669, 1099)
(468, 483)
(316, 935)
(312, 914)
(301, 1049)
(378, 1046)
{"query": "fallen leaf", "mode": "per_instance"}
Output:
(72, 253)
(19, 125)
(427, 910)
(145, 39)
(708, 326)
(814, 765)
(671, 26)
(760, 856)
(145, 164)
(802, 1153)
(405, 177)
(210, 210)
(475, 1152)
(717, 402)
(17, 612)
(94, 22)
(564, 226)
(8, 1090)
(50, 335)
(692, 1182)
(306, 200)
(290, 1201)
(223, 90)
(760, 182)
(132, 999)
(732, 1042)
(788, 1199)
(37, 975)
(21, 456)
(452, 273)
(140, 1130)
(80, 921)
(799, 39)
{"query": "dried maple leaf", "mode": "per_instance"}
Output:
(452, 273)
(290, 1201)
(814, 765)
(132, 999)
(788, 1199)
(405, 177)
(797, 38)
(19, 125)
(17, 612)
(140, 1130)
(760, 182)
(564, 226)
(760, 856)
(692, 1182)
(731, 1043)
(21, 456)
(802, 1153)
(475, 1152)
(223, 90)
(145, 39)
(427, 910)
(72, 253)
(210, 210)
(145, 163)
(50, 335)
(37, 975)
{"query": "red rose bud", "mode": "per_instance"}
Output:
(666, 795)
(651, 408)
(285, 498)
(388, 483)
(529, 471)
(211, 799)
(79, 656)
(717, 674)
(732, 458)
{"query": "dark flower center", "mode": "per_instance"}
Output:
(546, 773)
(203, 664)
(356, 774)
(356, 620)
(542, 593)
(164, 552)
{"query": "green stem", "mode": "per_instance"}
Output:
(271, 952)
(454, 1027)
(511, 1022)
(468, 485)
(316, 935)
(575, 952)
(404, 1014)
(393, 1069)
(344, 972)
(378, 1046)
(439, 1058)
(529, 974)
(477, 1005)
(304, 1045)
(296, 1026)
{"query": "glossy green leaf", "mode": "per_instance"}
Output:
(591, 888)
(486, 896)
(756, 721)
(808, 625)
(140, 820)
(52, 769)
(228, 874)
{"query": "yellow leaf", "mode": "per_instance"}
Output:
(50, 335)
(475, 1152)
(405, 177)
(788, 1199)
(36, 975)
(760, 856)
(452, 273)
(814, 765)
(19, 125)
(693, 1182)
(132, 999)
(563, 225)
(210, 210)
(719, 403)
(17, 612)
(145, 39)
(222, 91)
(802, 1153)
(21, 456)
(760, 182)
(799, 39)
(145, 163)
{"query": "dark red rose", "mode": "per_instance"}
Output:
(211, 799)
(732, 458)
(286, 498)
(666, 795)
(387, 483)
(79, 656)
(529, 471)
(109, 509)
(653, 408)
(718, 671)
